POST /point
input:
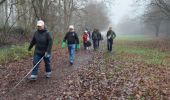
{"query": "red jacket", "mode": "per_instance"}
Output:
(85, 37)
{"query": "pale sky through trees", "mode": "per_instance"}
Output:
(120, 9)
(123, 8)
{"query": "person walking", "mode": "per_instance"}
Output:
(85, 39)
(94, 39)
(110, 36)
(43, 44)
(99, 38)
(72, 40)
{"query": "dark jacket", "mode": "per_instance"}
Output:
(99, 36)
(111, 34)
(71, 38)
(42, 41)
(94, 35)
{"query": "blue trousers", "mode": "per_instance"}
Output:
(71, 50)
(47, 61)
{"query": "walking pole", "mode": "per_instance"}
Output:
(26, 75)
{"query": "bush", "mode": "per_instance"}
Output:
(14, 53)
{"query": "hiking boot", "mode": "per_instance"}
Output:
(48, 74)
(33, 77)
(71, 63)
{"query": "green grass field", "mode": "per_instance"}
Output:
(127, 51)
(134, 37)
(146, 55)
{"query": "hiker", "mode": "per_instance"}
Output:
(72, 42)
(94, 39)
(43, 44)
(110, 36)
(88, 33)
(90, 39)
(99, 38)
(85, 39)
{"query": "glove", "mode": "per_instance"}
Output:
(63, 44)
(29, 49)
(47, 55)
(78, 46)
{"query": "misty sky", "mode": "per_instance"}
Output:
(123, 8)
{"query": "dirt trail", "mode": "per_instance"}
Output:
(43, 86)
(94, 76)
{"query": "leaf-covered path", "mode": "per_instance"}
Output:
(13, 72)
(96, 75)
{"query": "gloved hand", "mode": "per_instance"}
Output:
(47, 55)
(63, 44)
(78, 46)
(29, 49)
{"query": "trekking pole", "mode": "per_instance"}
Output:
(26, 75)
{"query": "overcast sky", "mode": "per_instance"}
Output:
(122, 8)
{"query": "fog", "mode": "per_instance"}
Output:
(125, 16)
(138, 17)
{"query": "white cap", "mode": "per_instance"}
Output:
(40, 23)
(71, 27)
(85, 31)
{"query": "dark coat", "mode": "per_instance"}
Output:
(42, 41)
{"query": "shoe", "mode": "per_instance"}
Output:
(71, 63)
(48, 74)
(33, 77)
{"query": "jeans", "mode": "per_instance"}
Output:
(109, 44)
(71, 50)
(47, 61)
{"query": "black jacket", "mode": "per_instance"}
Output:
(71, 38)
(42, 41)
(94, 35)
(99, 36)
(111, 34)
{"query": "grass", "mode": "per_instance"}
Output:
(142, 66)
(149, 56)
(134, 37)
(130, 52)
(14, 53)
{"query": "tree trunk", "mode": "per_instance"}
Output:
(157, 32)
(157, 26)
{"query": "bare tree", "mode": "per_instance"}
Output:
(157, 11)
(2, 1)
(163, 5)
(57, 14)
(97, 16)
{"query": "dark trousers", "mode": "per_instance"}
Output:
(109, 44)
(98, 43)
(85, 45)
(95, 45)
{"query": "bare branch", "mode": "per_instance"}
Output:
(2, 1)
